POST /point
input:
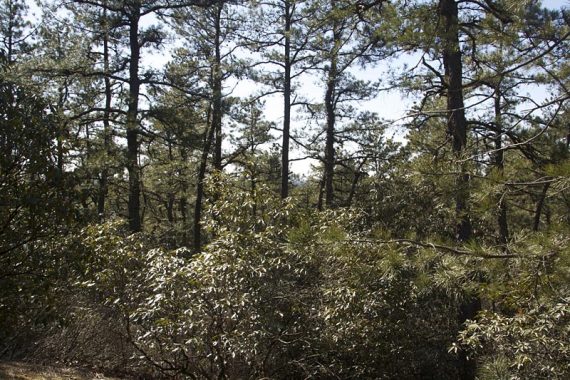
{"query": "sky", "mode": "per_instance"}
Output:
(391, 106)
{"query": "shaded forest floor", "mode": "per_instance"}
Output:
(27, 371)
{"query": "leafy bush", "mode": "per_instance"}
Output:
(525, 333)
(529, 345)
(278, 293)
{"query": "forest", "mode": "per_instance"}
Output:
(222, 189)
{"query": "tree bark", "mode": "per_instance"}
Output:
(457, 129)
(104, 176)
(540, 207)
(197, 230)
(330, 107)
(502, 220)
(286, 105)
(183, 202)
(133, 168)
(329, 143)
(216, 78)
(354, 183)
(321, 194)
(170, 196)
(456, 122)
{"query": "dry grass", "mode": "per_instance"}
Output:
(26, 371)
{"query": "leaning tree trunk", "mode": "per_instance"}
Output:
(354, 184)
(540, 206)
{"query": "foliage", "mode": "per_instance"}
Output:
(444, 255)
(533, 344)
(275, 294)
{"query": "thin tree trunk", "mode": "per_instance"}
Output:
(171, 196)
(329, 144)
(183, 207)
(456, 122)
(183, 202)
(253, 169)
(61, 128)
(217, 92)
(321, 194)
(170, 208)
(457, 128)
(133, 168)
(253, 189)
(540, 206)
(197, 230)
(330, 106)
(354, 184)
(286, 105)
(104, 176)
(214, 134)
(502, 220)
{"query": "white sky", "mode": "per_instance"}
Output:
(389, 105)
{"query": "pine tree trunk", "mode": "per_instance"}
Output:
(456, 122)
(197, 230)
(354, 183)
(104, 176)
(329, 143)
(170, 196)
(540, 207)
(133, 168)
(183, 202)
(286, 105)
(457, 128)
(321, 194)
(502, 220)
(217, 93)
(330, 107)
